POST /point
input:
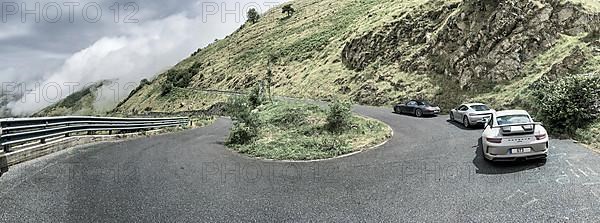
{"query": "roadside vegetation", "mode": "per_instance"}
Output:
(568, 103)
(283, 130)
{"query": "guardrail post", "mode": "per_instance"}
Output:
(6, 149)
(3, 163)
(42, 141)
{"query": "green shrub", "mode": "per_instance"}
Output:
(256, 97)
(590, 135)
(237, 106)
(181, 78)
(241, 134)
(245, 122)
(569, 103)
(339, 116)
(166, 89)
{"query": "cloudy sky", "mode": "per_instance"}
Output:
(67, 44)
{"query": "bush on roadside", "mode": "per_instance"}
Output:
(256, 97)
(569, 103)
(241, 134)
(245, 122)
(339, 116)
(590, 135)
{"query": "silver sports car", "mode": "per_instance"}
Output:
(511, 135)
(471, 114)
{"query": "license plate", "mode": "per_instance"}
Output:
(520, 150)
(519, 140)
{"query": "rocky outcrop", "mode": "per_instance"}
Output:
(475, 41)
(396, 39)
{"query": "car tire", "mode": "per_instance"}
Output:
(419, 113)
(452, 117)
(396, 110)
(542, 162)
(466, 123)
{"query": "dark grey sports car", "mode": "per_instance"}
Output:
(417, 108)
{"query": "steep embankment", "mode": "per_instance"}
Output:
(381, 52)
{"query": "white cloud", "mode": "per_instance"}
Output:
(14, 30)
(141, 52)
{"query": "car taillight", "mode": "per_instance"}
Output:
(527, 127)
(541, 136)
(494, 140)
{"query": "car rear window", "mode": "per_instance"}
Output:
(480, 108)
(513, 119)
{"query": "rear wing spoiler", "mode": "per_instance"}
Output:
(522, 124)
(526, 128)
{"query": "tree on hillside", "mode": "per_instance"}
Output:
(253, 16)
(288, 9)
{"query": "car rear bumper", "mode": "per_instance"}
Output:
(478, 120)
(502, 153)
(429, 112)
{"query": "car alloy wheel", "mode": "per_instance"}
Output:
(466, 122)
(419, 113)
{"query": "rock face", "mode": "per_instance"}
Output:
(396, 39)
(473, 41)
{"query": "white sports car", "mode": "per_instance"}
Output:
(512, 135)
(471, 114)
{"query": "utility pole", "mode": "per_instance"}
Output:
(270, 76)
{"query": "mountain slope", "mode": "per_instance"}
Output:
(88, 101)
(380, 52)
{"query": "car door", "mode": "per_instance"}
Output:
(462, 111)
(410, 107)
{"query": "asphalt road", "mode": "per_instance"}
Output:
(430, 171)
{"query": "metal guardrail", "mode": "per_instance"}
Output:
(19, 131)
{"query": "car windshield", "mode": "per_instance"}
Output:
(480, 107)
(513, 119)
